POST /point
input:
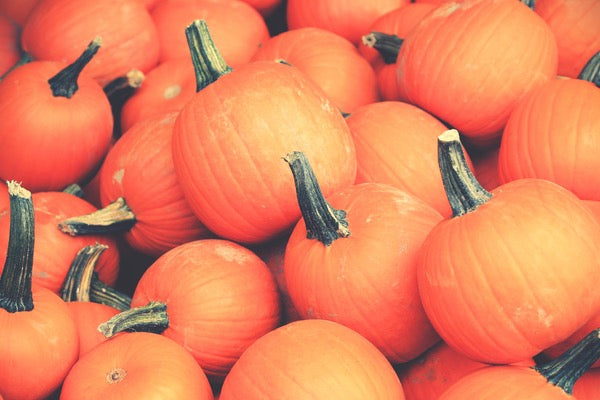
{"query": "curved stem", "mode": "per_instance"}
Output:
(149, 318)
(322, 221)
(15, 282)
(64, 84)
(591, 70)
(464, 193)
(387, 45)
(114, 218)
(79, 277)
(209, 64)
(102, 293)
(128, 82)
(566, 369)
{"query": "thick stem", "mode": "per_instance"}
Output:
(322, 221)
(209, 64)
(566, 369)
(64, 84)
(15, 282)
(591, 70)
(464, 193)
(149, 318)
(114, 218)
(102, 293)
(79, 277)
(387, 45)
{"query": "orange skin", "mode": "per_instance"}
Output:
(87, 317)
(9, 44)
(17, 11)
(587, 386)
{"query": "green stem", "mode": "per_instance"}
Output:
(209, 64)
(64, 83)
(130, 81)
(102, 293)
(114, 218)
(74, 189)
(149, 318)
(15, 282)
(529, 3)
(387, 45)
(566, 369)
(79, 277)
(322, 221)
(591, 70)
(464, 193)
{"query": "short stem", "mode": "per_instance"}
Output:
(149, 318)
(591, 70)
(79, 277)
(566, 369)
(114, 218)
(15, 282)
(209, 64)
(74, 189)
(464, 193)
(130, 81)
(387, 45)
(64, 84)
(529, 3)
(102, 293)
(322, 221)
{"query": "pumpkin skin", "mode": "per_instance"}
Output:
(363, 281)
(58, 29)
(155, 367)
(576, 29)
(220, 298)
(229, 139)
(314, 359)
(499, 294)
(330, 60)
(236, 28)
(587, 386)
(17, 11)
(9, 44)
(560, 348)
(487, 66)
(553, 134)
(87, 316)
(69, 136)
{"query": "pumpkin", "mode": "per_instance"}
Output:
(140, 193)
(558, 349)
(485, 167)
(576, 30)
(39, 336)
(17, 11)
(553, 134)
(330, 60)
(237, 28)
(229, 139)
(265, 7)
(587, 387)
(137, 365)
(352, 259)
(312, 359)
(468, 64)
(213, 297)
(9, 44)
(50, 114)
(498, 294)
(57, 29)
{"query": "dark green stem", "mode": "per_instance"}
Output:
(529, 3)
(114, 218)
(566, 369)
(74, 189)
(79, 277)
(464, 193)
(591, 70)
(209, 64)
(64, 84)
(128, 82)
(322, 221)
(149, 318)
(15, 282)
(387, 45)
(102, 293)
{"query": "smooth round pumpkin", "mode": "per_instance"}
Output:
(469, 63)
(312, 359)
(137, 365)
(553, 134)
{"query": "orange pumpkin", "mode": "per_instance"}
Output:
(9, 44)
(588, 386)
(312, 359)
(352, 259)
(467, 63)
(499, 294)
(18, 11)
(229, 139)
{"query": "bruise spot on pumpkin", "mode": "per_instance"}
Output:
(172, 91)
(116, 375)
(231, 254)
(118, 176)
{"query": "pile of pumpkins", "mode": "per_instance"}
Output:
(266, 199)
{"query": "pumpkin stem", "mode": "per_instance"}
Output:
(64, 84)
(322, 221)
(15, 282)
(567, 368)
(78, 281)
(149, 318)
(591, 70)
(115, 217)
(102, 293)
(209, 64)
(529, 3)
(74, 189)
(387, 45)
(130, 81)
(464, 193)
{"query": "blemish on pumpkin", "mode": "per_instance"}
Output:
(231, 254)
(116, 375)
(118, 176)
(544, 318)
(172, 91)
